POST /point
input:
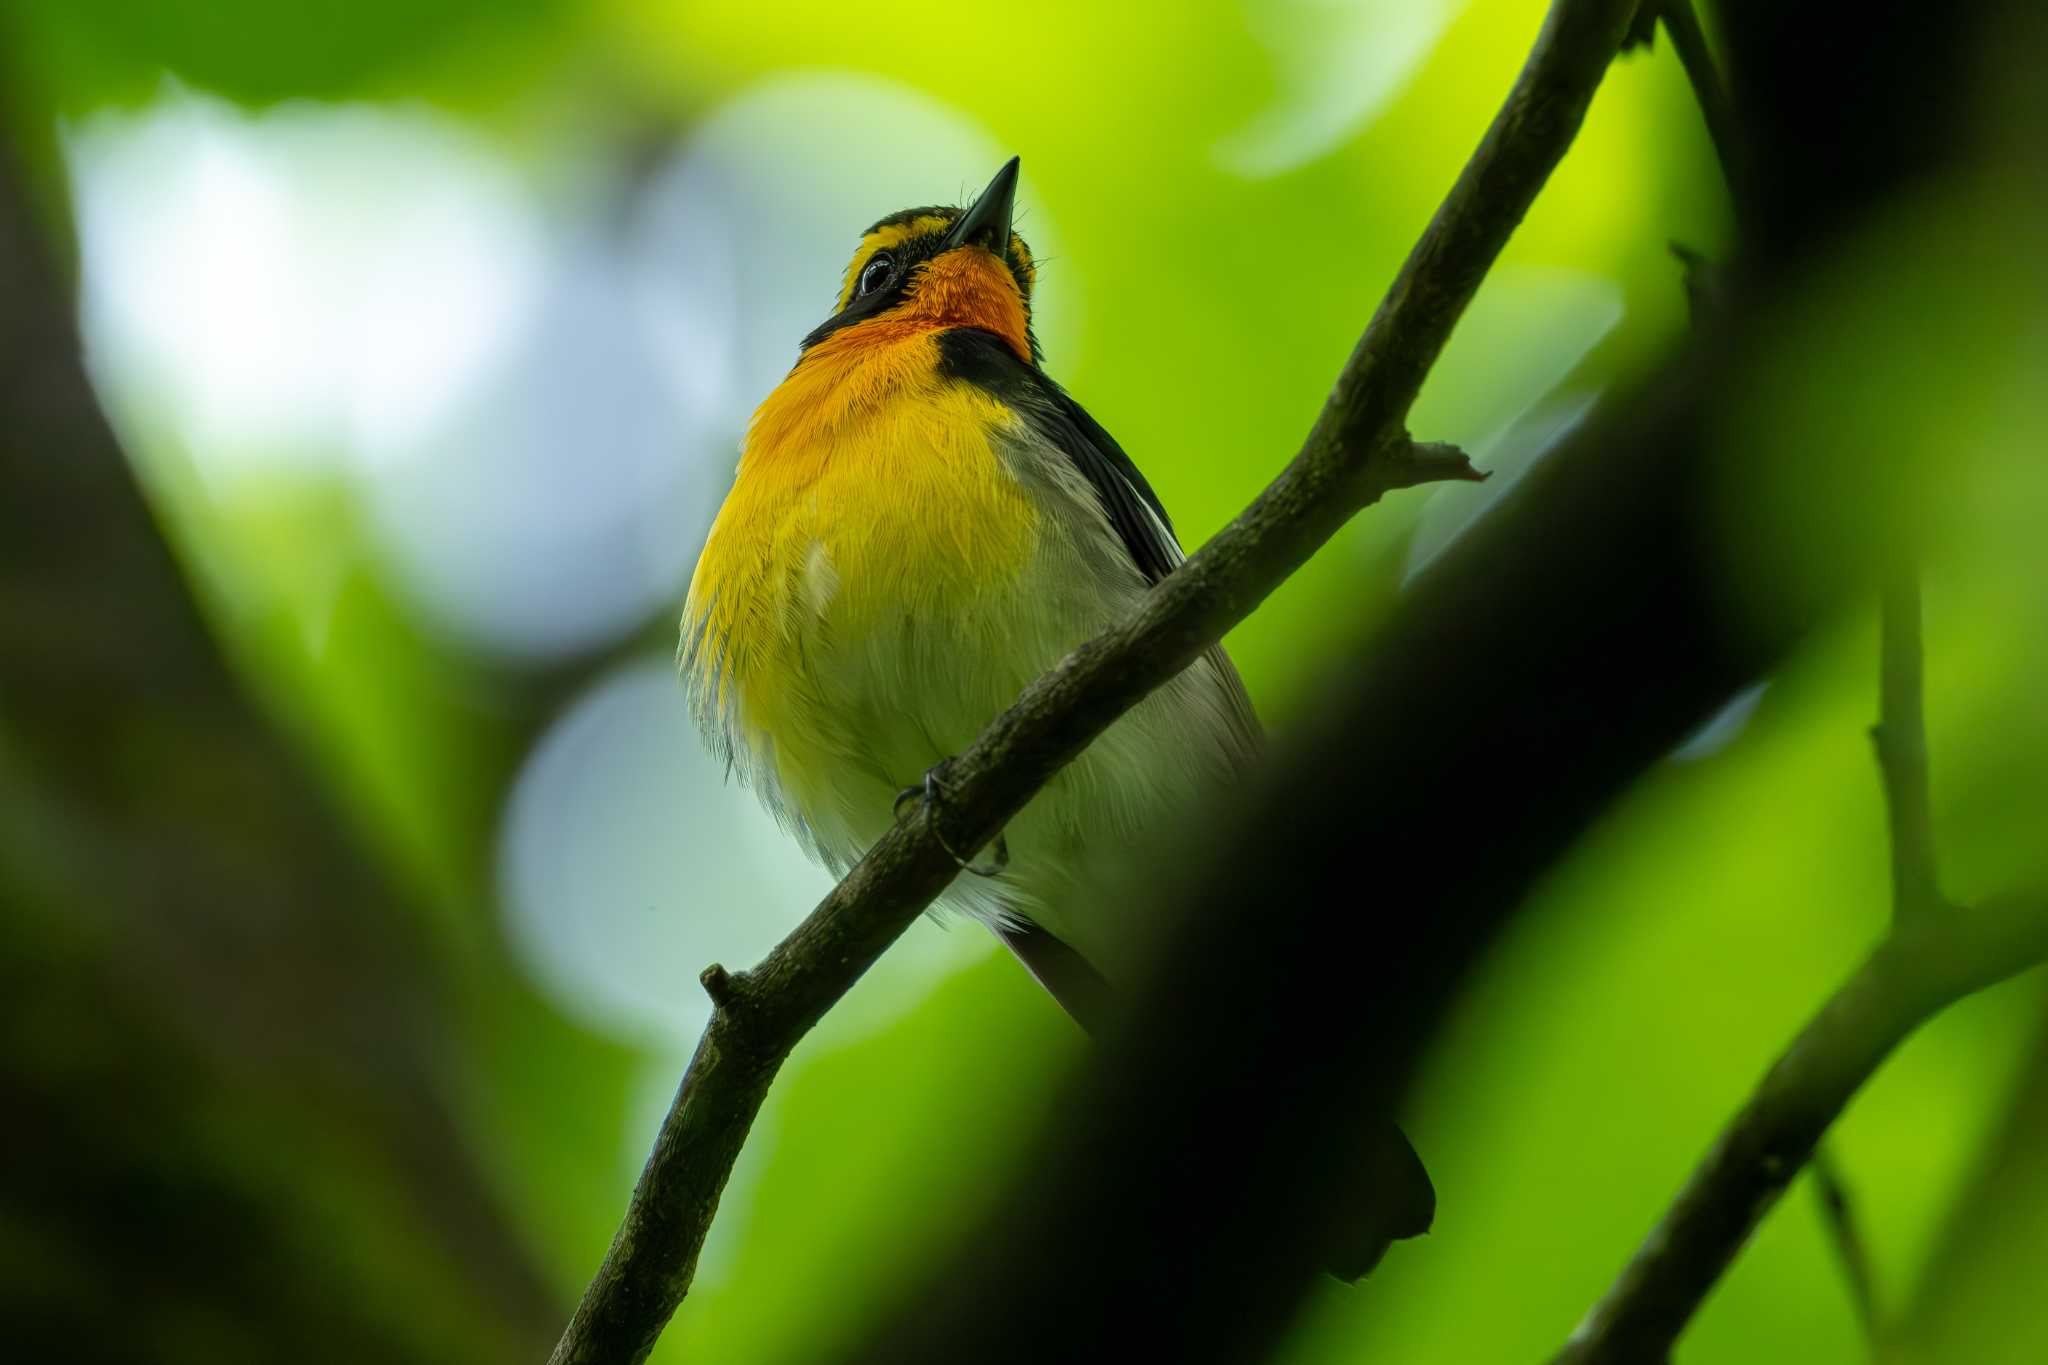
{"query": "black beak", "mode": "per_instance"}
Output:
(987, 223)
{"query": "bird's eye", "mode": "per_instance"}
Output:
(876, 274)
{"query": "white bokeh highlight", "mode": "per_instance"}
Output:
(294, 287)
(564, 504)
(1722, 728)
(1532, 327)
(380, 299)
(1337, 65)
(628, 865)
(629, 862)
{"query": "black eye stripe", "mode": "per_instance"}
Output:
(876, 292)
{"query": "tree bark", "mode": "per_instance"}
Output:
(227, 1053)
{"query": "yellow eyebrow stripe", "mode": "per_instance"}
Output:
(884, 239)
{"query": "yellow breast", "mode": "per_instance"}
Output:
(869, 494)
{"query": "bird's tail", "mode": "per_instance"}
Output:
(1390, 1198)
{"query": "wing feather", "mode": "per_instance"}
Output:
(1133, 509)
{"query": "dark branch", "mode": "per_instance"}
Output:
(718, 984)
(1357, 450)
(1845, 1231)
(1690, 42)
(1932, 958)
(1928, 964)
(160, 837)
(1929, 960)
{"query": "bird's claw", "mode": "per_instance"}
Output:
(929, 791)
(932, 791)
(993, 868)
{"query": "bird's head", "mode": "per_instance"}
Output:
(928, 269)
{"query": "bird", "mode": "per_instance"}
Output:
(921, 523)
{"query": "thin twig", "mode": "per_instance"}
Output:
(1900, 737)
(1358, 450)
(1845, 1231)
(1924, 966)
(1927, 962)
(1704, 280)
(1712, 96)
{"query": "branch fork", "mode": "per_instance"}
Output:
(1933, 955)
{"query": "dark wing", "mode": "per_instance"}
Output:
(1134, 510)
(1392, 1193)
(986, 361)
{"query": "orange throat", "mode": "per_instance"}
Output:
(858, 370)
(967, 287)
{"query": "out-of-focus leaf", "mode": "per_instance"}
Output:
(88, 51)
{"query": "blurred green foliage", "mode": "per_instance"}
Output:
(1652, 978)
(87, 52)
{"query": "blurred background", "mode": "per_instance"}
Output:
(430, 330)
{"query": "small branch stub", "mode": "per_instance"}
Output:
(721, 986)
(1704, 283)
(1439, 462)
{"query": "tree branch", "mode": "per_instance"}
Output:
(238, 1001)
(1357, 451)
(1845, 1231)
(1690, 42)
(1926, 965)
(1927, 962)
(1932, 958)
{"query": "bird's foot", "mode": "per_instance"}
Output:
(932, 792)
